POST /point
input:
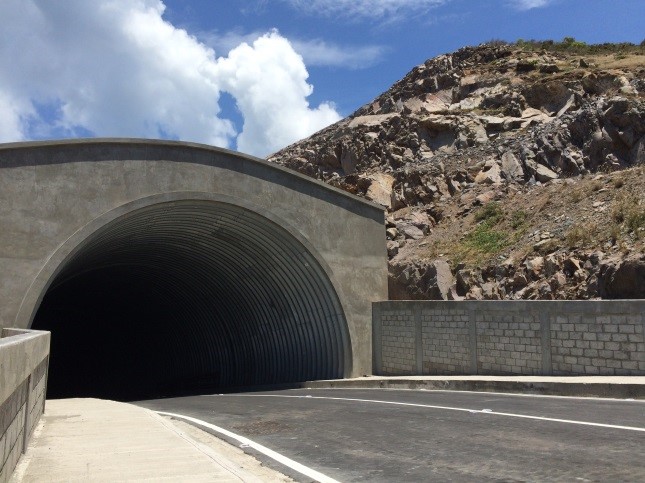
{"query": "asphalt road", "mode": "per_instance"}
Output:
(390, 435)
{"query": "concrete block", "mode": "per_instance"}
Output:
(622, 355)
(618, 319)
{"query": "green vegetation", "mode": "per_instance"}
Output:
(571, 45)
(518, 218)
(490, 212)
(496, 231)
(581, 235)
(629, 212)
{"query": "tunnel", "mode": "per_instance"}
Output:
(190, 297)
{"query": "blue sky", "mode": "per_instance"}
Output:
(252, 75)
(394, 44)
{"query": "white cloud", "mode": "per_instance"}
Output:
(314, 52)
(388, 10)
(117, 68)
(13, 116)
(319, 52)
(268, 81)
(530, 4)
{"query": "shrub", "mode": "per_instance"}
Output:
(518, 218)
(630, 211)
(581, 235)
(485, 239)
(490, 212)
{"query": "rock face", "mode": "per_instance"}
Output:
(420, 280)
(505, 172)
(625, 280)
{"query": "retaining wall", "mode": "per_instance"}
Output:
(604, 337)
(24, 359)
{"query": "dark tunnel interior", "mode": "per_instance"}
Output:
(186, 298)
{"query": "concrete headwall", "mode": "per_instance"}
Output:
(24, 358)
(60, 196)
(509, 337)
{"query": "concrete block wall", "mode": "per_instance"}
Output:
(598, 344)
(24, 359)
(398, 338)
(508, 343)
(445, 340)
(604, 337)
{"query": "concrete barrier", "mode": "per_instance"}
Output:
(602, 337)
(24, 359)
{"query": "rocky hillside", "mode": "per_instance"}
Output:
(508, 172)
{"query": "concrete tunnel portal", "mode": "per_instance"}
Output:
(164, 268)
(187, 297)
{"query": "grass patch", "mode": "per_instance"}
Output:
(491, 213)
(596, 185)
(571, 45)
(518, 218)
(491, 235)
(576, 195)
(581, 235)
(486, 240)
(629, 211)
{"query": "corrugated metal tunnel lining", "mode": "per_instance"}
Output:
(190, 296)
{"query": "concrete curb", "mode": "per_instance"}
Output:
(550, 388)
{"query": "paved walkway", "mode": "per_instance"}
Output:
(96, 440)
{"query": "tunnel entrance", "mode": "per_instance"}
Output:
(190, 297)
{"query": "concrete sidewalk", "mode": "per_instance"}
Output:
(621, 387)
(97, 440)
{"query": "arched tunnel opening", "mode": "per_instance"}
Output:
(190, 297)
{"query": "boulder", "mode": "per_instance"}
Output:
(535, 266)
(519, 280)
(637, 154)
(490, 291)
(348, 161)
(419, 280)
(511, 167)
(392, 249)
(466, 279)
(409, 231)
(485, 197)
(492, 175)
(624, 280)
(544, 174)
(380, 189)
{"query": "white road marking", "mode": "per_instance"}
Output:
(294, 465)
(430, 406)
